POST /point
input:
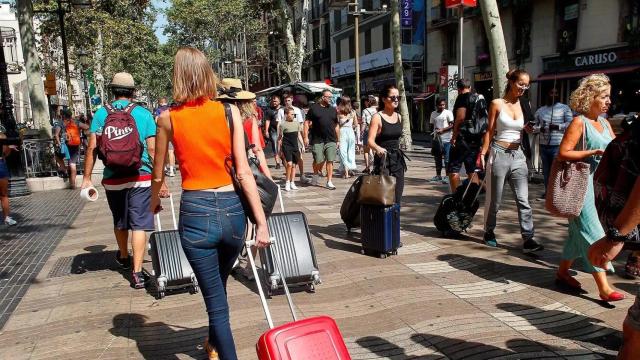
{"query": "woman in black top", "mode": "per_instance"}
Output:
(384, 137)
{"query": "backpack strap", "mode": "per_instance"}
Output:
(109, 108)
(229, 116)
(129, 108)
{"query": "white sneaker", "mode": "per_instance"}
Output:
(9, 221)
(293, 186)
(330, 185)
(287, 186)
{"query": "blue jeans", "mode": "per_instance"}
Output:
(548, 153)
(212, 229)
(446, 149)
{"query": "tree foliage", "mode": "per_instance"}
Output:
(213, 26)
(128, 42)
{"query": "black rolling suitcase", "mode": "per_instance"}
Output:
(171, 269)
(296, 256)
(456, 211)
(350, 209)
(380, 230)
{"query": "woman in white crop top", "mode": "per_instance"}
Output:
(505, 160)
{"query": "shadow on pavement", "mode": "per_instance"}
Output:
(158, 340)
(386, 349)
(516, 348)
(532, 276)
(568, 325)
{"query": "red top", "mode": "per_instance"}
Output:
(248, 124)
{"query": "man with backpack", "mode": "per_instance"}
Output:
(67, 138)
(471, 115)
(124, 136)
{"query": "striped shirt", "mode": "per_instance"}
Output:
(557, 114)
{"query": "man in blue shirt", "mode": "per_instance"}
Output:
(129, 196)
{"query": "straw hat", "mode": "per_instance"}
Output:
(231, 89)
(123, 80)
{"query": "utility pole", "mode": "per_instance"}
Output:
(37, 98)
(65, 56)
(246, 61)
(461, 42)
(356, 37)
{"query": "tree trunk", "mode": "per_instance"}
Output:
(497, 46)
(295, 51)
(37, 98)
(406, 140)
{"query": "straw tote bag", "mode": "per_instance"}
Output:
(568, 182)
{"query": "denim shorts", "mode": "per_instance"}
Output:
(4, 171)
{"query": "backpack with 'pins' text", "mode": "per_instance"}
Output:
(119, 147)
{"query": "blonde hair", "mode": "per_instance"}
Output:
(193, 77)
(246, 107)
(590, 87)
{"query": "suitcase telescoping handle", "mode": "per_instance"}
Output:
(263, 299)
(173, 216)
(475, 173)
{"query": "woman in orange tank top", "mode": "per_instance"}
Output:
(212, 220)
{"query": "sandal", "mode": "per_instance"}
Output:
(632, 267)
(211, 351)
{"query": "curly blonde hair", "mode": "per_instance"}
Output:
(590, 87)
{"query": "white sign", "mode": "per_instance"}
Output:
(596, 59)
(452, 88)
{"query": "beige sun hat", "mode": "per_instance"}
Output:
(122, 80)
(231, 89)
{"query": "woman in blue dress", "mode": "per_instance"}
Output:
(589, 101)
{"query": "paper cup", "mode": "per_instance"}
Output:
(89, 194)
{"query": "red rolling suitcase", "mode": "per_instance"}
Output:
(316, 338)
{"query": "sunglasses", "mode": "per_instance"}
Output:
(394, 98)
(523, 86)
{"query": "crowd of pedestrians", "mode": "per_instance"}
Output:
(196, 136)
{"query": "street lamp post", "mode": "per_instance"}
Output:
(77, 4)
(355, 10)
(83, 57)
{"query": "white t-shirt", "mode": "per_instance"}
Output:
(296, 110)
(441, 121)
(367, 114)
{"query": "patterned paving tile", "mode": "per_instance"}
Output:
(496, 287)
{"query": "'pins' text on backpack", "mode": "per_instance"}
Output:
(119, 147)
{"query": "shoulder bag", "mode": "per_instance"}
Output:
(267, 189)
(567, 186)
(378, 189)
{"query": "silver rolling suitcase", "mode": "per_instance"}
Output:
(171, 269)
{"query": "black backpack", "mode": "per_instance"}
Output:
(475, 126)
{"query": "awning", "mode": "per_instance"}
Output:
(424, 96)
(578, 74)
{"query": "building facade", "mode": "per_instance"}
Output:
(557, 41)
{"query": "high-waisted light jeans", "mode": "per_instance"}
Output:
(347, 148)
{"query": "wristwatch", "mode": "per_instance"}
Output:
(614, 235)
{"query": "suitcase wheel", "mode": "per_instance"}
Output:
(363, 252)
(395, 252)
(194, 289)
(312, 288)
(161, 294)
(383, 255)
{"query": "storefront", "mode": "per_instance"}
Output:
(620, 63)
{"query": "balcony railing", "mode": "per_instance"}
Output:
(39, 158)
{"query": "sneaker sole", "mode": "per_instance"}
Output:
(537, 248)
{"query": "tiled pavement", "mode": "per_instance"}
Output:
(438, 299)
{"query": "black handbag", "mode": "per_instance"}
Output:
(267, 189)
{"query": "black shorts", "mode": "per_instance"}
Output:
(290, 154)
(130, 208)
(462, 154)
